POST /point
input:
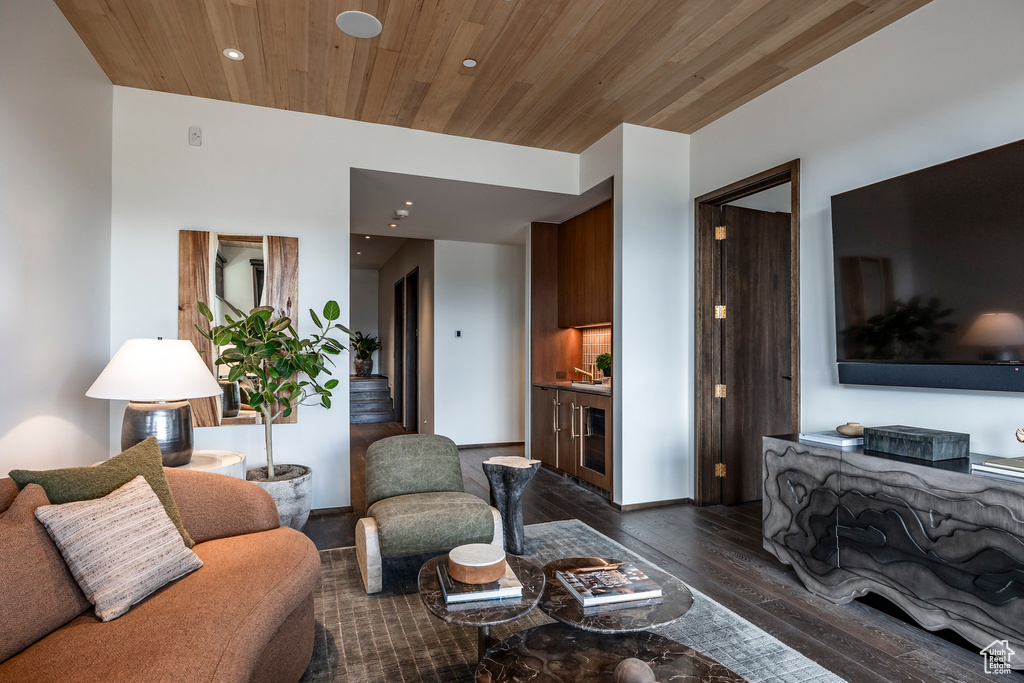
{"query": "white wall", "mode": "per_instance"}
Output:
(479, 388)
(652, 328)
(413, 255)
(267, 171)
(363, 313)
(55, 119)
(941, 83)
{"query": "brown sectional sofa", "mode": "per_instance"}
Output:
(246, 615)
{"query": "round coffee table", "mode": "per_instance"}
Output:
(559, 604)
(485, 613)
(556, 653)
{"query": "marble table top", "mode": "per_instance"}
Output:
(485, 612)
(556, 653)
(559, 604)
(511, 461)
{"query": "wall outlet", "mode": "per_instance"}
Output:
(195, 136)
(560, 374)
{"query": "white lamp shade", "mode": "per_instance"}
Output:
(155, 370)
(996, 330)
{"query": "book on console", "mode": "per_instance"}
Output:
(1006, 473)
(1013, 464)
(611, 583)
(832, 438)
(454, 591)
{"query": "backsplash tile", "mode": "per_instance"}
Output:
(596, 340)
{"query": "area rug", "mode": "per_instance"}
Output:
(392, 637)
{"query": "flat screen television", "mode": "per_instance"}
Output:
(929, 276)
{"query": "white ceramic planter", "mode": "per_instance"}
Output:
(293, 496)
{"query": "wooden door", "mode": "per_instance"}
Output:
(594, 440)
(398, 367)
(756, 360)
(544, 425)
(412, 351)
(566, 431)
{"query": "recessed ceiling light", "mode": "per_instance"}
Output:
(232, 53)
(470, 63)
(408, 203)
(359, 253)
(394, 225)
(367, 237)
(359, 24)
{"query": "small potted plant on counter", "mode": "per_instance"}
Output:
(604, 364)
(279, 371)
(364, 347)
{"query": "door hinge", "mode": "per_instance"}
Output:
(719, 232)
(720, 312)
(719, 391)
(719, 469)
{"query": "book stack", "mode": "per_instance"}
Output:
(456, 592)
(1011, 469)
(831, 438)
(609, 584)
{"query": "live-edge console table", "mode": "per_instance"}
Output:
(943, 544)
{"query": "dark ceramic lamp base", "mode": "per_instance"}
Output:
(169, 421)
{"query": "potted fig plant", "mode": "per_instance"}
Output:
(364, 347)
(279, 371)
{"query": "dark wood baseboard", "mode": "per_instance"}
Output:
(330, 511)
(470, 446)
(654, 504)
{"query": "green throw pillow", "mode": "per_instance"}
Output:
(88, 483)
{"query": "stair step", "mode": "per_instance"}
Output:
(372, 417)
(358, 405)
(382, 395)
(358, 384)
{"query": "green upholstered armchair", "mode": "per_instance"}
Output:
(417, 504)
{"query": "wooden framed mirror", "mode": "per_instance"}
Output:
(247, 271)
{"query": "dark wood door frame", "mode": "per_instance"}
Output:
(398, 361)
(412, 350)
(708, 437)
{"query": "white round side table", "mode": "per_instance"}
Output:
(231, 463)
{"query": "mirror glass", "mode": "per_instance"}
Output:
(238, 278)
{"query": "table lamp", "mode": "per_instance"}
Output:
(156, 376)
(1001, 333)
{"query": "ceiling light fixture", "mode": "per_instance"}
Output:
(359, 24)
(367, 237)
(408, 203)
(394, 225)
(233, 54)
(469, 63)
(359, 253)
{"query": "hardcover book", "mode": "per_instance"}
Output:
(454, 591)
(831, 438)
(622, 582)
(1015, 464)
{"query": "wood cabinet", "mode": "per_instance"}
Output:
(585, 254)
(572, 432)
(544, 425)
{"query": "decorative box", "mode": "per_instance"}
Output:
(915, 442)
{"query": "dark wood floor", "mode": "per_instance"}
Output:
(718, 551)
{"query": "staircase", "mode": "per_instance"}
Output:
(370, 400)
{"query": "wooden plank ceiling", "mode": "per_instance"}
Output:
(556, 74)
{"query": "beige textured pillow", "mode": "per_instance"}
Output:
(120, 548)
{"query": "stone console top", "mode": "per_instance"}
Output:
(962, 465)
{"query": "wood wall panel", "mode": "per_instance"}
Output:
(281, 289)
(194, 286)
(553, 349)
(557, 74)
